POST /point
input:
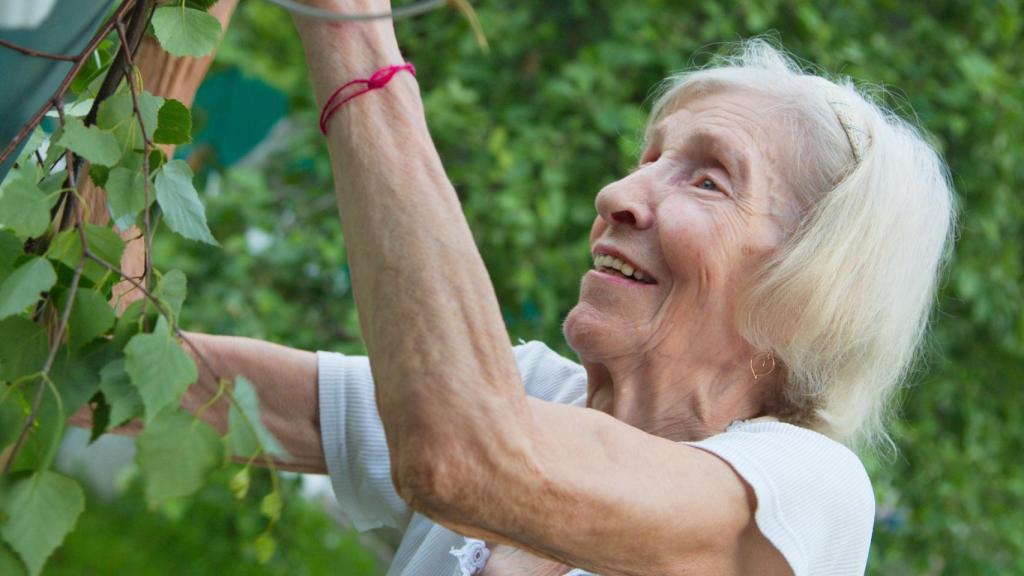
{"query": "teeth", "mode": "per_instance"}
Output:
(608, 261)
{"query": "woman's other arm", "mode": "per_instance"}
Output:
(285, 379)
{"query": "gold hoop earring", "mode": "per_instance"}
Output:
(762, 364)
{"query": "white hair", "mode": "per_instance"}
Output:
(844, 303)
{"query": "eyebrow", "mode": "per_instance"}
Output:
(735, 161)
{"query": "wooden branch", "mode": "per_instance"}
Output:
(38, 53)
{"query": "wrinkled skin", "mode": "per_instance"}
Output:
(667, 357)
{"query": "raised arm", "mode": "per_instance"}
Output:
(426, 305)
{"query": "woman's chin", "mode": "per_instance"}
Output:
(590, 332)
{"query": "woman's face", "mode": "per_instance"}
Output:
(676, 239)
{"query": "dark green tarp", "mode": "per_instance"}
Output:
(26, 82)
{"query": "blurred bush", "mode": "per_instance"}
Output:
(210, 533)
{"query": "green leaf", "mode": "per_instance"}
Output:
(203, 5)
(78, 108)
(103, 242)
(179, 200)
(99, 175)
(159, 368)
(185, 31)
(130, 322)
(90, 317)
(23, 347)
(95, 67)
(270, 505)
(13, 411)
(126, 195)
(117, 114)
(55, 151)
(10, 249)
(66, 247)
(239, 483)
(35, 140)
(41, 509)
(10, 564)
(246, 438)
(265, 545)
(172, 288)
(96, 145)
(25, 285)
(175, 124)
(157, 158)
(175, 454)
(76, 373)
(54, 182)
(24, 208)
(42, 435)
(116, 385)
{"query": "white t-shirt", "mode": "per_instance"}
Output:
(814, 499)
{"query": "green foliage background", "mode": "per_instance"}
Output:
(530, 131)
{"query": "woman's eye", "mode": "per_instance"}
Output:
(708, 184)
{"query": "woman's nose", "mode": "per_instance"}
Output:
(625, 203)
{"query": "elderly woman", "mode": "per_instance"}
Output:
(761, 282)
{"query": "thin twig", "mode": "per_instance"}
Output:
(54, 346)
(38, 53)
(69, 159)
(147, 145)
(62, 89)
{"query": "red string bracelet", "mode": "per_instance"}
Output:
(376, 80)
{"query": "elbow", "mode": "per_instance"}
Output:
(452, 474)
(434, 484)
(457, 483)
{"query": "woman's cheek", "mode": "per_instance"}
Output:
(698, 242)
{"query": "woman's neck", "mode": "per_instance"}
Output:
(685, 397)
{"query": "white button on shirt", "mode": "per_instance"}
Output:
(815, 502)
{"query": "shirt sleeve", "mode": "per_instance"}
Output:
(354, 444)
(815, 503)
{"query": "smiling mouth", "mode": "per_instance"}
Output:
(611, 265)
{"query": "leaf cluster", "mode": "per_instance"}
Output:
(63, 346)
